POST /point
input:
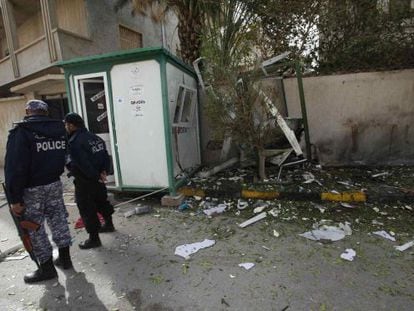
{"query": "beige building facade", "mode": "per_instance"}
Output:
(36, 34)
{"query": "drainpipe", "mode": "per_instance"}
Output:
(163, 39)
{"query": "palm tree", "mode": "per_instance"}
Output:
(190, 14)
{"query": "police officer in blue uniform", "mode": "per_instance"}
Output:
(35, 159)
(89, 163)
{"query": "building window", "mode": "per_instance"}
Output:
(72, 16)
(3, 42)
(28, 17)
(129, 39)
(184, 109)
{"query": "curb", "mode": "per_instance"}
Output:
(348, 196)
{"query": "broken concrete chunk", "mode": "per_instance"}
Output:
(187, 249)
(276, 234)
(253, 220)
(349, 254)
(405, 246)
(384, 234)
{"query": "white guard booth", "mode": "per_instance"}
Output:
(144, 104)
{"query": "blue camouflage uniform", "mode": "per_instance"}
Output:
(35, 159)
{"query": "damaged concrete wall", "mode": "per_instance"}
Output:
(12, 109)
(359, 119)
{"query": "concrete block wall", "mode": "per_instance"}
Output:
(359, 119)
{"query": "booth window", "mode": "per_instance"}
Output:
(185, 106)
(129, 39)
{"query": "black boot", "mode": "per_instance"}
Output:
(64, 261)
(108, 226)
(93, 242)
(47, 271)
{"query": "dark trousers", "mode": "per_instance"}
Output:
(91, 198)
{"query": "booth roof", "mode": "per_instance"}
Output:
(132, 54)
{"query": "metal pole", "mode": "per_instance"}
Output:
(303, 108)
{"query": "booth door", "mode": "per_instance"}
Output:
(95, 112)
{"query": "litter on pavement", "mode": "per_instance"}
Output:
(215, 210)
(380, 174)
(242, 204)
(15, 257)
(253, 220)
(331, 233)
(260, 208)
(349, 254)
(347, 205)
(405, 246)
(385, 235)
(187, 249)
(246, 265)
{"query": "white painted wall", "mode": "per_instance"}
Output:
(358, 119)
(140, 134)
(186, 146)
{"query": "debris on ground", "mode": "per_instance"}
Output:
(247, 265)
(349, 254)
(142, 209)
(321, 208)
(310, 178)
(138, 210)
(15, 257)
(276, 234)
(253, 220)
(184, 206)
(188, 249)
(385, 235)
(380, 175)
(224, 302)
(405, 246)
(347, 205)
(260, 207)
(331, 233)
(274, 212)
(215, 210)
(241, 204)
